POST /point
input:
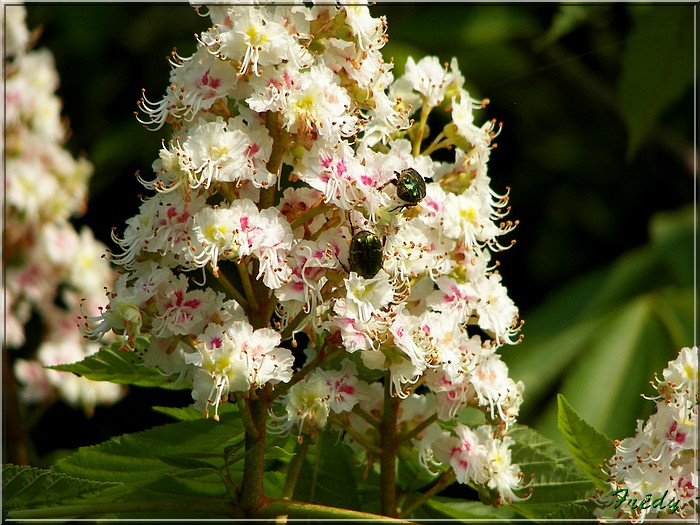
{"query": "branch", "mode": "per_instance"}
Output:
(297, 509)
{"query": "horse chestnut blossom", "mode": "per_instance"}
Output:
(653, 474)
(51, 270)
(302, 251)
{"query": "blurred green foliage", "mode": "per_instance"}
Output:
(598, 116)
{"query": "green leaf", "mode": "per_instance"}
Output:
(169, 497)
(589, 447)
(672, 235)
(552, 474)
(171, 464)
(137, 458)
(675, 309)
(412, 476)
(275, 452)
(327, 478)
(568, 18)
(657, 67)
(185, 413)
(471, 417)
(615, 368)
(118, 366)
(492, 24)
(186, 463)
(541, 360)
(600, 339)
(27, 487)
(457, 509)
(174, 470)
(569, 512)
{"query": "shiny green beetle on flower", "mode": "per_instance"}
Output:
(410, 187)
(366, 254)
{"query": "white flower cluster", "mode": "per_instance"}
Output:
(299, 183)
(49, 266)
(654, 474)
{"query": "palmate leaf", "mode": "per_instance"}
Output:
(112, 364)
(632, 343)
(27, 487)
(614, 327)
(169, 471)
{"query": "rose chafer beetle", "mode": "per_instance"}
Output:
(366, 255)
(410, 187)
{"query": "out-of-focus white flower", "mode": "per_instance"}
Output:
(46, 261)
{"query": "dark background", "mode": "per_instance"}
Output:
(581, 197)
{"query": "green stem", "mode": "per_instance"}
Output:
(331, 223)
(436, 145)
(188, 506)
(310, 214)
(247, 286)
(281, 139)
(366, 416)
(231, 489)
(442, 483)
(418, 139)
(295, 466)
(298, 509)
(230, 289)
(269, 307)
(417, 430)
(247, 417)
(251, 494)
(291, 327)
(389, 446)
(267, 197)
(371, 447)
(316, 467)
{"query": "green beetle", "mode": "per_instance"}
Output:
(366, 254)
(410, 187)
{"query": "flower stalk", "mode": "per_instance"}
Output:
(389, 451)
(251, 495)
